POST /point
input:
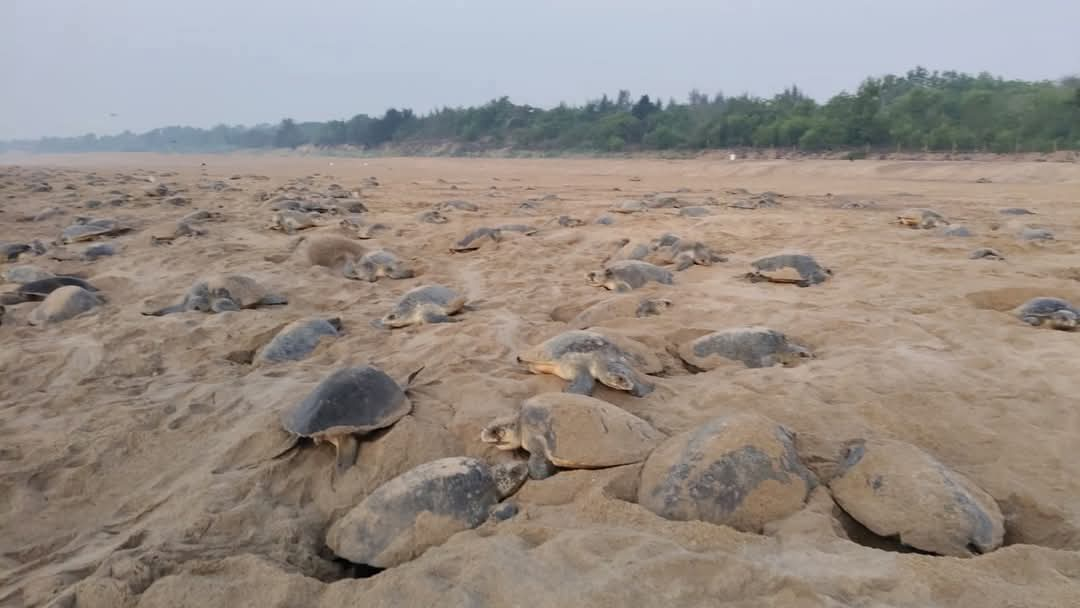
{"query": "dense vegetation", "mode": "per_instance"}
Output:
(921, 110)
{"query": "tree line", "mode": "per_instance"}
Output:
(918, 111)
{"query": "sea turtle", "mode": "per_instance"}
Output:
(625, 275)
(357, 227)
(456, 204)
(1015, 211)
(64, 303)
(569, 222)
(752, 346)
(351, 401)
(433, 217)
(740, 470)
(91, 229)
(986, 253)
(26, 274)
(1055, 313)
(919, 217)
(475, 239)
(629, 207)
(223, 292)
(620, 306)
(38, 290)
(684, 253)
(201, 215)
(605, 220)
(291, 221)
(956, 231)
(897, 490)
(694, 211)
(170, 233)
(11, 251)
(375, 264)
(422, 508)
(571, 431)
(797, 268)
(425, 304)
(298, 339)
(585, 357)
(522, 228)
(1036, 234)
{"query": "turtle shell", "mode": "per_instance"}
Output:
(89, 230)
(350, 400)
(245, 290)
(580, 432)
(1042, 307)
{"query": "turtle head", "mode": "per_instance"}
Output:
(1064, 319)
(621, 376)
(596, 277)
(400, 270)
(794, 355)
(503, 433)
(394, 319)
(509, 476)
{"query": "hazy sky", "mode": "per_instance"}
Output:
(67, 65)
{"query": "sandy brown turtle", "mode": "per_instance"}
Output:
(458, 205)
(626, 275)
(795, 268)
(629, 207)
(898, 490)
(683, 253)
(64, 303)
(26, 274)
(290, 222)
(298, 339)
(433, 217)
(424, 304)
(957, 231)
(568, 431)
(356, 227)
(521, 228)
(620, 306)
(986, 253)
(171, 232)
(35, 291)
(752, 346)
(1054, 313)
(694, 211)
(1015, 211)
(919, 217)
(422, 508)
(476, 239)
(91, 229)
(375, 264)
(223, 292)
(585, 357)
(1036, 234)
(569, 222)
(350, 402)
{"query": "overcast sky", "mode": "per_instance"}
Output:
(68, 64)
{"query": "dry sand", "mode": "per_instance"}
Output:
(134, 458)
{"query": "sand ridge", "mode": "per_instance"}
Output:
(135, 463)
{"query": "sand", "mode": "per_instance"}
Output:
(135, 457)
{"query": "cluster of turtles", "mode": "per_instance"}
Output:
(738, 470)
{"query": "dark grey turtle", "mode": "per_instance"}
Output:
(605, 220)
(569, 222)
(683, 253)
(456, 204)
(897, 490)
(11, 251)
(350, 402)
(423, 508)
(1036, 234)
(357, 227)
(986, 253)
(92, 229)
(585, 357)
(475, 239)
(433, 217)
(571, 431)
(919, 217)
(1055, 313)
(64, 303)
(26, 274)
(38, 290)
(796, 268)
(378, 263)
(740, 471)
(522, 228)
(1015, 211)
(298, 339)
(753, 346)
(625, 275)
(957, 231)
(223, 292)
(425, 304)
(694, 211)
(290, 222)
(100, 250)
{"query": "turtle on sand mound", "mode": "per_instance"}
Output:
(298, 339)
(684, 253)
(38, 290)
(585, 357)
(986, 253)
(86, 230)
(753, 346)
(795, 268)
(1015, 211)
(433, 217)
(11, 251)
(1036, 234)
(422, 508)
(456, 204)
(740, 470)
(425, 304)
(375, 264)
(476, 239)
(626, 275)
(569, 222)
(522, 228)
(358, 228)
(289, 221)
(572, 432)
(1055, 313)
(919, 217)
(896, 489)
(26, 274)
(619, 306)
(221, 293)
(64, 303)
(349, 402)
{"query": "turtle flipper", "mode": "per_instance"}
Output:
(347, 447)
(539, 466)
(1032, 320)
(582, 384)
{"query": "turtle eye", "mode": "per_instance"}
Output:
(391, 316)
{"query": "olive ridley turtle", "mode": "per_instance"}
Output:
(585, 357)
(626, 275)
(223, 292)
(795, 268)
(753, 346)
(425, 304)
(1055, 313)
